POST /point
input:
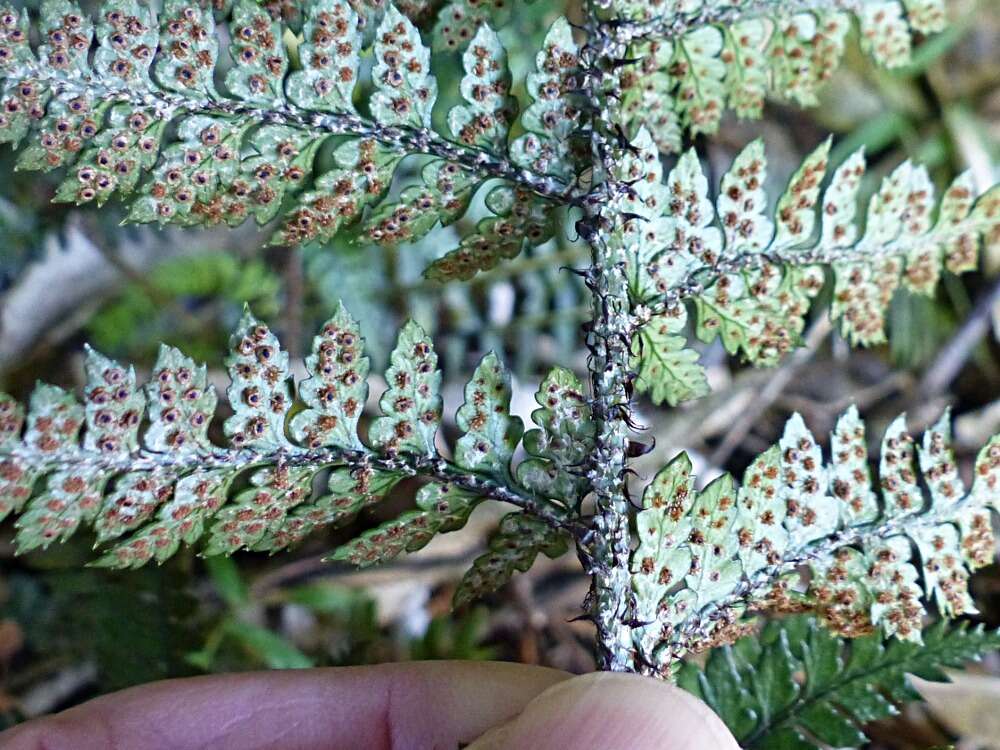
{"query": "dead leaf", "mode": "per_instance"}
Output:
(967, 706)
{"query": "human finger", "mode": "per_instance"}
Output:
(413, 705)
(612, 712)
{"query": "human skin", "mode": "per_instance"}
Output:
(428, 705)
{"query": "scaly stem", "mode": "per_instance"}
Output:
(611, 587)
(609, 342)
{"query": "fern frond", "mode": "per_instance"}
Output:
(706, 558)
(250, 148)
(458, 20)
(699, 58)
(751, 277)
(795, 685)
(512, 549)
(148, 485)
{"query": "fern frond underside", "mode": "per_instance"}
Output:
(147, 478)
(141, 115)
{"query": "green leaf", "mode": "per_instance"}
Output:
(490, 433)
(742, 201)
(197, 168)
(812, 512)
(181, 519)
(713, 544)
(796, 211)
(188, 31)
(330, 54)
(884, 33)
(441, 508)
(840, 203)
(513, 549)
(14, 33)
(485, 118)
(181, 404)
(61, 125)
(348, 492)
(71, 498)
(926, 16)
(459, 20)
(258, 55)
(897, 471)
(864, 289)
(850, 480)
(11, 421)
(283, 156)
(753, 290)
(894, 582)
(127, 36)
(363, 173)
(114, 410)
(142, 116)
(700, 72)
(444, 196)
(53, 423)
(258, 513)
(745, 53)
(697, 58)
(328, 598)
(405, 89)
(562, 441)
(662, 558)
(647, 100)
(121, 152)
(552, 119)
(923, 262)
(521, 219)
(956, 205)
(226, 578)
(690, 238)
(760, 314)
(762, 514)
(270, 648)
(805, 688)
(258, 392)
(760, 311)
(666, 368)
(412, 402)
(337, 387)
(805, 49)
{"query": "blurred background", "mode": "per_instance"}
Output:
(68, 275)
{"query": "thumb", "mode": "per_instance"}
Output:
(611, 711)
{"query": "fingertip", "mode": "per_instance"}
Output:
(610, 711)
